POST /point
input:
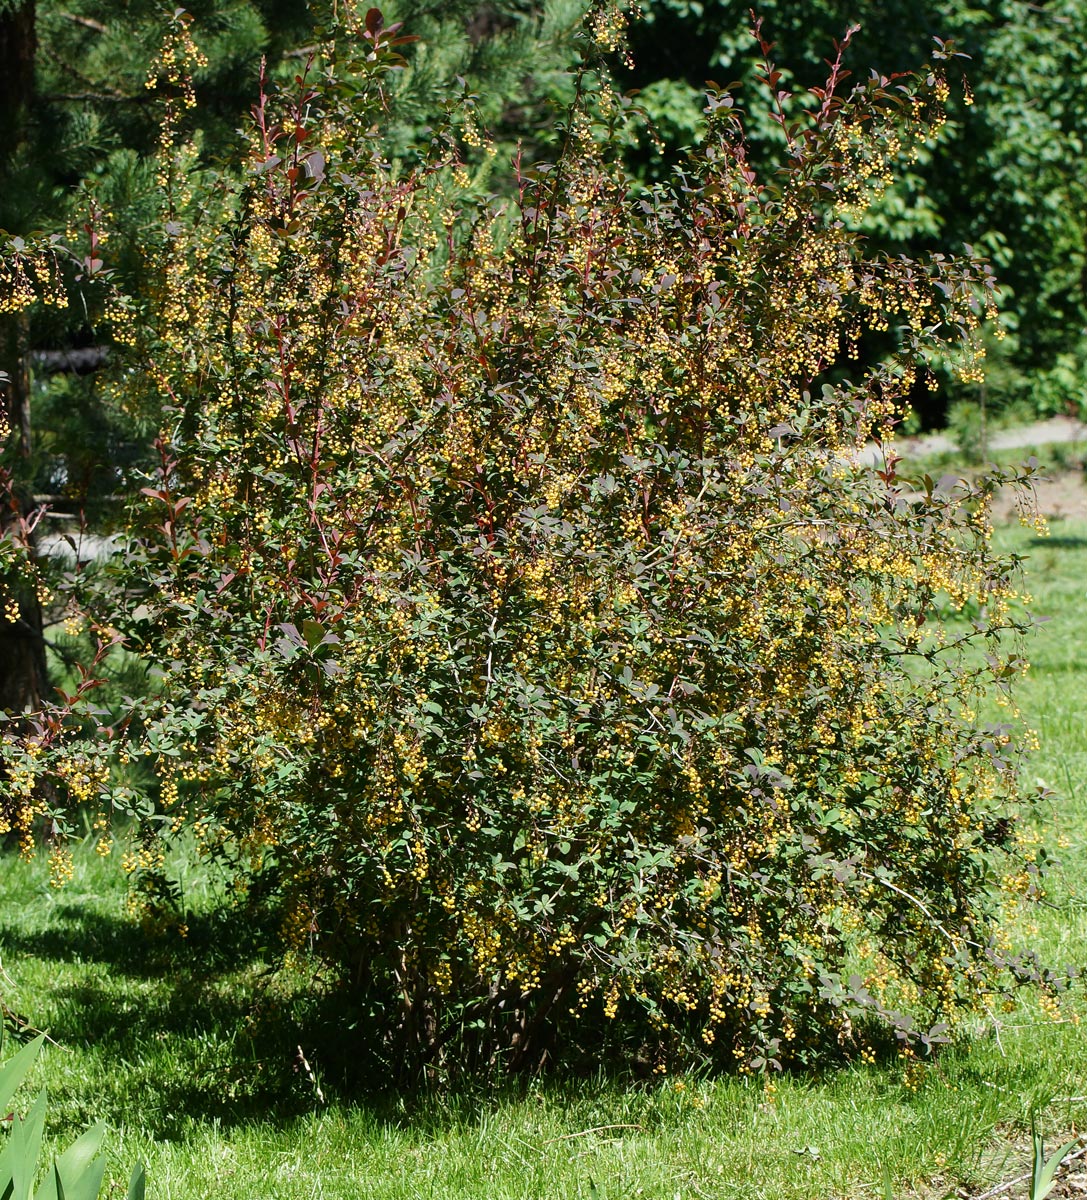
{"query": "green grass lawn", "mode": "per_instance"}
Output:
(189, 1048)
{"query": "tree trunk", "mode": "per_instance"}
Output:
(15, 364)
(22, 649)
(22, 646)
(18, 45)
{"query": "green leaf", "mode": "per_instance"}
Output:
(1043, 1171)
(24, 1146)
(79, 1154)
(79, 1169)
(14, 1071)
(137, 1184)
(314, 633)
(6, 1184)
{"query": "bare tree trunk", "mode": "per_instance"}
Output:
(18, 45)
(15, 364)
(22, 656)
(22, 649)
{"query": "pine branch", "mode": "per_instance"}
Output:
(86, 22)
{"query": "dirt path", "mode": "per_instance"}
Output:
(1061, 496)
(1041, 433)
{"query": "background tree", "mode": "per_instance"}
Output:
(1006, 176)
(22, 651)
(83, 116)
(89, 120)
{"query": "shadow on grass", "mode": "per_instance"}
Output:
(1058, 541)
(216, 942)
(164, 1030)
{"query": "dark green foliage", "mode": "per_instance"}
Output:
(1005, 177)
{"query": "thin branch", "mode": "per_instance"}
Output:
(86, 22)
(996, 1032)
(73, 71)
(98, 97)
(955, 941)
(585, 1132)
(1008, 1184)
(1058, 17)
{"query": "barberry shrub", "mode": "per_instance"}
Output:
(531, 630)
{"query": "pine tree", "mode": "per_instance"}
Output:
(82, 114)
(22, 650)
